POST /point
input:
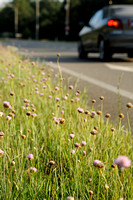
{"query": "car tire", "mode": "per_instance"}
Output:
(130, 54)
(104, 52)
(82, 54)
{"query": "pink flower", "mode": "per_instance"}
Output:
(84, 153)
(62, 112)
(83, 143)
(80, 110)
(93, 113)
(33, 169)
(77, 99)
(44, 86)
(77, 145)
(6, 104)
(1, 152)
(56, 88)
(41, 94)
(57, 99)
(44, 79)
(71, 136)
(70, 87)
(33, 63)
(30, 157)
(8, 118)
(72, 151)
(98, 163)
(123, 162)
(36, 89)
(65, 98)
(50, 97)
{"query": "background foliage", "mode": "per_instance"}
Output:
(52, 17)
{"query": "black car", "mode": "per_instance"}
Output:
(109, 31)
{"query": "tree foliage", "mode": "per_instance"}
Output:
(52, 17)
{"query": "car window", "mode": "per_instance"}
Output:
(96, 18)
(122, 11)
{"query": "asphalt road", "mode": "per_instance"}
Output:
(113, 80)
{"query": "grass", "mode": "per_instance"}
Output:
(41, 116)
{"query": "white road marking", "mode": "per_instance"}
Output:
(96, 82)
(118, 67)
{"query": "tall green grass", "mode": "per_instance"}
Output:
(46, 136)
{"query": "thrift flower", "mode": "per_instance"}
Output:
(33, 169)
(30, 157)
(72, 151)
(123, 162)
(1, 152)
(80, 110)
(71, 136)
(98, 163)
(83, 143)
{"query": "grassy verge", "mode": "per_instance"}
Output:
(54, 146)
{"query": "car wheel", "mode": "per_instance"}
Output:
(130, 54)
(105, 54)
(81, 52)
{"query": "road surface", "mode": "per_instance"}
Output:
(113, 80)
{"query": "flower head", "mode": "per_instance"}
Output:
(33, 169)
(30, 157)
(83, 143)
(72, 151)
(122, 162)
(80, 110)
(98, 163)
(1, 152)
(71, 136)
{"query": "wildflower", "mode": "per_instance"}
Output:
(91, 149)
(83, 143)
(23, 107)
(26, 101)
(70, 87)
(28, 113)
(33, 169)
(77, 94)
(57, 121)
(71, 136)
(99, 112)
(93, 113)
(1, 114)
(87, 112)
(106, 187)
(123, 162)
(91, 192)
(12, 163)
(80, 110)
(62, 112)
(33, 109)
(50, 97)
(1, 153)
(121, 115)
(129, 105)
(72, 151)
(11, 115)
(56, 88)
(98, 163)
(89, 180)
(112, 129)
(23, 137)
(72, 100)
(93, 101)
(33, 63)
(77, 145)
(65, 98)
(94, 132)
(1, 135)
(6, 104)
(30, 157)
(84, 153)
(41, 94)
(101, 98)
(12, 93)
(36, 89)
(57, 99)
(52, 162)
(107, 115)
(62, 121)
(77, 99)
(44, 86)
(70, 198)
(27, 104)
(8, 118)
(113, 166)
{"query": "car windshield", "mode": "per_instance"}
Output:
(122, 11)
